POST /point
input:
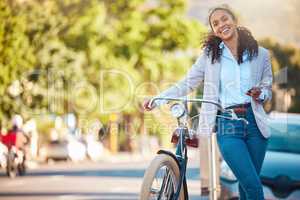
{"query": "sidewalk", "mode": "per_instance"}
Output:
(124, 157)
(122, 162)
(138, 157)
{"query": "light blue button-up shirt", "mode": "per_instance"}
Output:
(235, 79)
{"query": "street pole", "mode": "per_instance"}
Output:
(113, 135)
(213, 194)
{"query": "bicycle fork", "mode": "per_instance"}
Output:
(181, 155)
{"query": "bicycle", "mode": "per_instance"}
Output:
(165, 178)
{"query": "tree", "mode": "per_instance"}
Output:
(89, 57)
(16, 58)
(286, 56)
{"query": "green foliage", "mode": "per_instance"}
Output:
(286, 56)
(16, 57)
(97, 58)
(92, 57)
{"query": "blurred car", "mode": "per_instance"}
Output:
(54, 150)
(94, 147)
(280, 174)
(76, 149)
(63, 150)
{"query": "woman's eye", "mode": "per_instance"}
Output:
(225, 19)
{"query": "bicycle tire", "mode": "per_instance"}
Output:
(159, 161)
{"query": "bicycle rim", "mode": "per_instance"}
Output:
(161, 179)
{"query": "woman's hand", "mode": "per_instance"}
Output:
(254, 93)
(147, 106)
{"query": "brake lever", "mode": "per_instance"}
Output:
(235, 117)
(151, 102)
(244, 120)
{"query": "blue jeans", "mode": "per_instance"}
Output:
(243, 147)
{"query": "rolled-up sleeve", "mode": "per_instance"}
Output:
(267, 78)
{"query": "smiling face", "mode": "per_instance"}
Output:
(223, 24)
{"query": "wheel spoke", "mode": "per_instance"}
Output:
(163, 185)
(169, 188)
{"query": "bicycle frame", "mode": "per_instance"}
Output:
(181, 148)
(181, 155)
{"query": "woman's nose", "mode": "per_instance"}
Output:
(221, 26)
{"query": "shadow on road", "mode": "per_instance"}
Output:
(192, 173)
(82, 195)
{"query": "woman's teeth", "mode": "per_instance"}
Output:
(225, 30)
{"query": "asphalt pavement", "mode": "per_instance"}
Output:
(116, 178)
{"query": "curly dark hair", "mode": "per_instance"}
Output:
(246, 42)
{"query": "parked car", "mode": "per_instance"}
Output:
(63, 150)
(280, 174)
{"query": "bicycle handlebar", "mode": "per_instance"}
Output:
(231, 111)
(188, 100)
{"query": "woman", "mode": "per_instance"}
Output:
(237, 73)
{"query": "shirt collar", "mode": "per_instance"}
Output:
(226, 52)
(221, 45)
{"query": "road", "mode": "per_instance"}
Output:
(116, 179)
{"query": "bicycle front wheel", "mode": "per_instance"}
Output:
(161, 179)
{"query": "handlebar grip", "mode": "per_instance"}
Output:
(151, 103)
